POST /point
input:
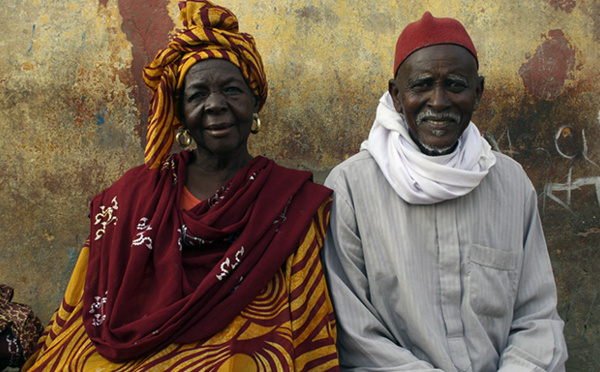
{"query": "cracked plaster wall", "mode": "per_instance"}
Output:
(73, 108)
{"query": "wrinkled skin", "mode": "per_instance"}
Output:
(216, 107)
(437, 88)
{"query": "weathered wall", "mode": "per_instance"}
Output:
(72, 108)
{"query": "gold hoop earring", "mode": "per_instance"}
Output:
(256, 120)
(184, 138)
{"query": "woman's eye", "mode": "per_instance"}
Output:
(232, 90)
(198, 95)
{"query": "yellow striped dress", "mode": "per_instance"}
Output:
(289, 326)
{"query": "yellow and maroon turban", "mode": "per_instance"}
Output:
(209, 31)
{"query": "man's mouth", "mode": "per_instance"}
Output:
(438, 119)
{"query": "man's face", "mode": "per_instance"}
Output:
(437, 89)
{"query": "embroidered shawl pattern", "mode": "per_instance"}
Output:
(142, 288)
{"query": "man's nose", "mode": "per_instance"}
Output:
(439, 100)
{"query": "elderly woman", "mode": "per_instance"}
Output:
(206, 260)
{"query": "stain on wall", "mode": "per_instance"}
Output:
(147, 26)
(73, 109)
(545, 73)
(564, 5)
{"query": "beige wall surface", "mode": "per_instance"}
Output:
(73, 109)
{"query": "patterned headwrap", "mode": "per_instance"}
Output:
(209, 31)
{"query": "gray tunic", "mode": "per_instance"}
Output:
(461, 285)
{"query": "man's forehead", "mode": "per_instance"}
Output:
(430, 75)
(450, 55)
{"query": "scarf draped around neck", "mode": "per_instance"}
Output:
(418, 178)
(146, 289)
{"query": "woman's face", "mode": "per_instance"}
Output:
(217, 107)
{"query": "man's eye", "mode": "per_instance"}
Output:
(421, 86)
(456, 86)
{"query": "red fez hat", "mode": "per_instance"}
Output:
(429, 31)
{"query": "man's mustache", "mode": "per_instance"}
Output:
(437, 116)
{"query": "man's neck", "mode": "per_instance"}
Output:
(431, 151)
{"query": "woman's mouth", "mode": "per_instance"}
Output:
(219, 130)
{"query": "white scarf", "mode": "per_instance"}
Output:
(418, 178)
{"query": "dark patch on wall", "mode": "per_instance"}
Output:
(381, 23)
(310, 12)
(573, 237)
(546, 137)
(564, 5)
(593, 11)
(147, 26)
(545, 73)
(556, 143)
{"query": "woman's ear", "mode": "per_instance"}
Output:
(179, 112)
(256, 104)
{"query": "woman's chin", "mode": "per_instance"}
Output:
(223, 147)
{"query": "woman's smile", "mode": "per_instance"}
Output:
(220, 130)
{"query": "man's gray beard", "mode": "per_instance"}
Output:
(432, 115)
(441, 151)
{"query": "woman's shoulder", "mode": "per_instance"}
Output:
(141, 180)
(132, 177)
(291, 173)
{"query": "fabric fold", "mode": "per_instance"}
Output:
(418, 178)
(138, 294)
(209, 31)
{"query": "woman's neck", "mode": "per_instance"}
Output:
(206, 173)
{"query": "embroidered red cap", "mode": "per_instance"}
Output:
(429, 31)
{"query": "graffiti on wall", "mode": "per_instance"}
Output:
(569, 143)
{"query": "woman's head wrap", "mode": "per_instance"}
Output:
(209, 31)
(429, 31)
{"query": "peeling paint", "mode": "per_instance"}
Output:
(545, 73)
(564, 5)
(31, 43)
(310, 13)
(74, 108)
(147, 26)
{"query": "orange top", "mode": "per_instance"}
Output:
(188, 201)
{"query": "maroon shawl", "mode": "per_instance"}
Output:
(145, 288)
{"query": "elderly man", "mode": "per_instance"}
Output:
(435, 254)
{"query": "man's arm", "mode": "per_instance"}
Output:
(536, 341)
(364, 342)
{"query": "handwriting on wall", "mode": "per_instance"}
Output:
(569, 143)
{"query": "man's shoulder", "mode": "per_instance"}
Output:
(508, 173)
(505, 164)
(358, 165)
(359, 159)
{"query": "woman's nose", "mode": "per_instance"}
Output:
(215, 102)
